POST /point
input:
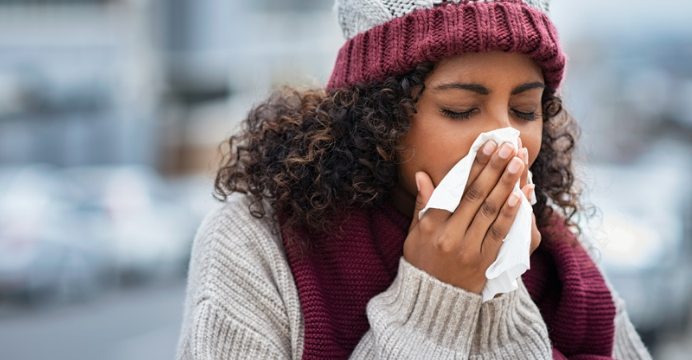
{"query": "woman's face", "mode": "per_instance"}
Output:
(465, 96)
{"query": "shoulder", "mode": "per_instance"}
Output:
(238, 264)
(232, 246)
(239, 282)
(232, 221)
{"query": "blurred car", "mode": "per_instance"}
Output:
(44, 250)
(148, 227)
(643, 235)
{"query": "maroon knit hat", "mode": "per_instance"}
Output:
(391, 37)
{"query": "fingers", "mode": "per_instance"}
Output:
(481, 160)
(475, 195)
(499, 229)
(485, 222)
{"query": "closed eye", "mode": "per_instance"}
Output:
(528, 116)
(458, 115)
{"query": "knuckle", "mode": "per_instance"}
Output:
(497, 165)
(426, 225)
(495, 234)
(470, 259)
(465, 257)
(419, 204)
(488, 209)
(481, 159)
(474, 193)
(509, 179)
(443, 244)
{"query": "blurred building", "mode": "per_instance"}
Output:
(223, 56)
(79, 82)
(154, 82)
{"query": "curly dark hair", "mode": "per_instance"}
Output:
(312, 153)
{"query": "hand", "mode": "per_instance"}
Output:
(457, 248)
(528, 190)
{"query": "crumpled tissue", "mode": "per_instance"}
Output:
(513, 259)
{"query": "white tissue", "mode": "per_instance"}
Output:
(513, 258)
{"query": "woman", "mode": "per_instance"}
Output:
(319, 251)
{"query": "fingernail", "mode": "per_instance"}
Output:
(417, 183)
(513, 200)
(489, 148)
(533, 189)
(519, 143)
(514, 166)
(505, 151)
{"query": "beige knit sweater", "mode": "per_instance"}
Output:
(242, 303)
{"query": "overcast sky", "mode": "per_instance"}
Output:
(636, 18)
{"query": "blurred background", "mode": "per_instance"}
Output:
(112, 113)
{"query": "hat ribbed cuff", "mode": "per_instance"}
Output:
(399, 45)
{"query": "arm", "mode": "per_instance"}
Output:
(241, 299)
(421, 317)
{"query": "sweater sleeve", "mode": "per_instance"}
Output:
(241, 301)
(421, 317)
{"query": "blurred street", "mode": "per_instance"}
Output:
(127, 324)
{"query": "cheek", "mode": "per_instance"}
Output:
(532, 141)
(434, 149)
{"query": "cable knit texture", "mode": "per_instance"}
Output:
(242, 303)
(394, 45)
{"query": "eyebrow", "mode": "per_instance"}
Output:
(529, 86)
(482, 90)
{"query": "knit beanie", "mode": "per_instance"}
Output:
(391, 37)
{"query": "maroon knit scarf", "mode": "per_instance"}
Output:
(340, 274)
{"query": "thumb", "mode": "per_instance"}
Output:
(425, 190)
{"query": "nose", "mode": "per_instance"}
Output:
(497, 118)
